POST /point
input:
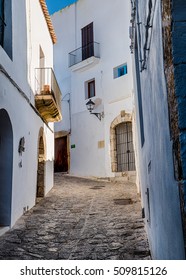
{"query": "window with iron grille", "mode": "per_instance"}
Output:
(124, 147)
(6, 26)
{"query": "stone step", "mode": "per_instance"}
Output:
(129, 176)
(3, 230)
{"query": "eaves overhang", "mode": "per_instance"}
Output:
(48, 21)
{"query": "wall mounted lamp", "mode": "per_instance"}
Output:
(90, 107)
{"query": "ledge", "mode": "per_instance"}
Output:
(85, 64)
(47, 107)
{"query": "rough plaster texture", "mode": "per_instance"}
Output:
(160, 191)
(16, 97)
(175, 40)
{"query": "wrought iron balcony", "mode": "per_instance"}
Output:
(83, 53)
(48, 95)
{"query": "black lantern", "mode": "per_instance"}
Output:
(90, 107)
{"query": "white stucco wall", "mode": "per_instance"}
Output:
(29, 33)
(111, 32)
(155, 160)
(38, 36)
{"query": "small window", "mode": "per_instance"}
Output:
(90, 89)
(2, 22)
(6, 26)
(120, 71)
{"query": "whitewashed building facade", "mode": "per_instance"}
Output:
(28, 106)
(92, 61)
(158, 41)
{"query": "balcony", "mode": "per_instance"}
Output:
(48, 95)
(84, 56)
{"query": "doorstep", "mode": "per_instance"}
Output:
(3, 230)
(128, 176)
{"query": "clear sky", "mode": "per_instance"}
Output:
(56, 5)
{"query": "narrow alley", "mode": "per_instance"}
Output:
(80, 219)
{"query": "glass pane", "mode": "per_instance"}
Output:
(91, 89)
(122, 70)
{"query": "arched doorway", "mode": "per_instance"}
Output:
(121, 144)
(6, 167)
(41, 166)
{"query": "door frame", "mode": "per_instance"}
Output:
(123, 117)
(61, 134)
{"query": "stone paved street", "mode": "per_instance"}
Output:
(80, 219)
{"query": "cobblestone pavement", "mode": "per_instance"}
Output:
(80, 219)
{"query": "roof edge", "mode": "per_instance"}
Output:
(48, 20)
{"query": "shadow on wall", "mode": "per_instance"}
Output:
(40, 192)
(6, 168)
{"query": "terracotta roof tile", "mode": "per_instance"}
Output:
(48, 20)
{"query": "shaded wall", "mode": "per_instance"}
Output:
(174, 40)
(159, 187)
(6, 168)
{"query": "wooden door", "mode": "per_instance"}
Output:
(61, 155)
(87, 41)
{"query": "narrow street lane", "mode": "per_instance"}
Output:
(80, 219)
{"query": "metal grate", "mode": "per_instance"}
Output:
(46, 83)
(124, 147)
(97, 187)
(123, 201)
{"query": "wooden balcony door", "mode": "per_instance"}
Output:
(87, 41)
